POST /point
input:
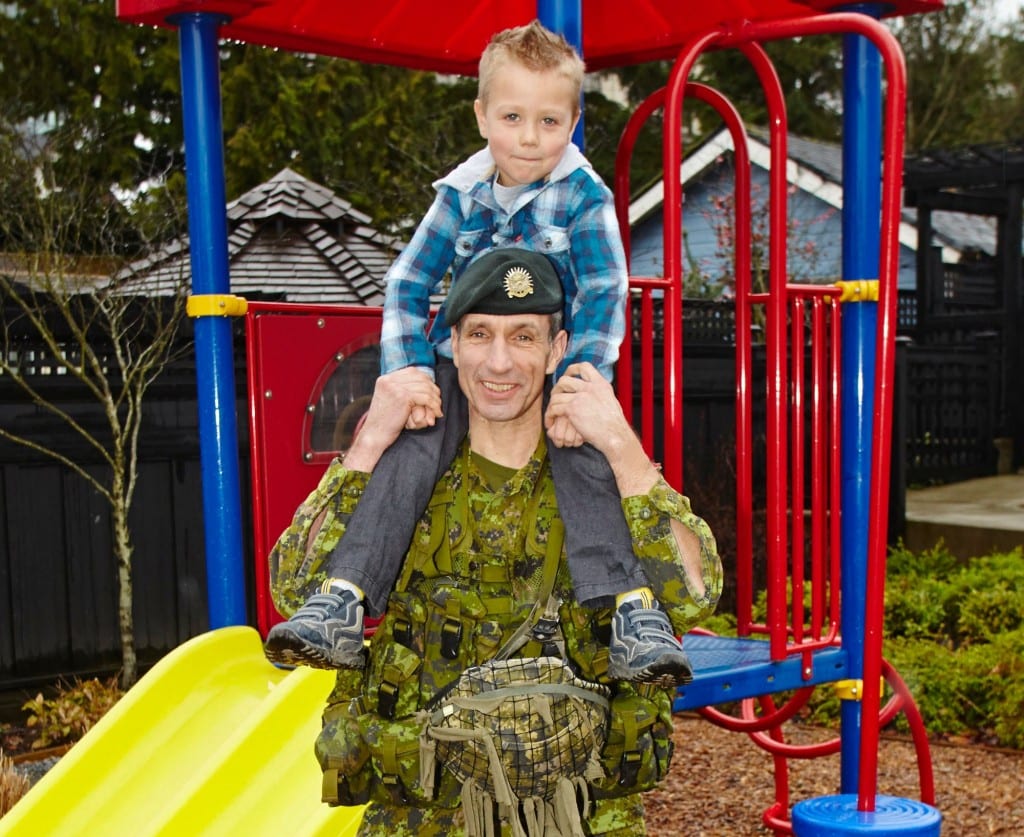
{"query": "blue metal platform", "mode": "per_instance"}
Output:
(733, 668)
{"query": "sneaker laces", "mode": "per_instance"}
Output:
(324, 606)
(651, 624)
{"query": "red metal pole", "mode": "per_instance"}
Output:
(775, 335)
(672, 155)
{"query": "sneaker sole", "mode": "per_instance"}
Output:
(664, 676)
(289, 650)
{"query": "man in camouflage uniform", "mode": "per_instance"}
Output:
(473, 570)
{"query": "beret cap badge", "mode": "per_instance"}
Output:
(505, 281)
(518, 282)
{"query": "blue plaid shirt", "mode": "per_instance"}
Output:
(569, 216)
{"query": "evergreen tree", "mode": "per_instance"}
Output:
(101, 98)
(962, 87)
(376, 135)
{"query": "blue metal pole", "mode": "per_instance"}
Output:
(566, 18)
(215, 379)
(862, 151)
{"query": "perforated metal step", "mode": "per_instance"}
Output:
(733, 668)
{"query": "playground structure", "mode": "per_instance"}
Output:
(828, 408)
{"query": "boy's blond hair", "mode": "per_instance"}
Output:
(535, 48)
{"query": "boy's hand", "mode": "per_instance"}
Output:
(423, 414)
(561, 431)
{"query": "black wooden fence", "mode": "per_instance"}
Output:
(58, 600)
(58, 578)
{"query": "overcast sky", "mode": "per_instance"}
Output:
(1007, 9)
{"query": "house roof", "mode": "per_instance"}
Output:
(291, 239)
(41, 271)
(816, 167)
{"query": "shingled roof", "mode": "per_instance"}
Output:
(289, 239)
(816, 167)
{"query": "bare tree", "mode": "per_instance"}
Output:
(65, 312)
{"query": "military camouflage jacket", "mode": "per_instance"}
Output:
(498, 538)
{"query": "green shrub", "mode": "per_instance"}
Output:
(974, 690)
(914, 610)
(71, 713)
(989, 613)
(723, 624)
(1007, 674)
(918, 598)
(937, 562)
(936, 681)
(954, 631)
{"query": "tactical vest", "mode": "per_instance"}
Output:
(456, 603)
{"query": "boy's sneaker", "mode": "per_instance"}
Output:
(326, 632)
(643, 648)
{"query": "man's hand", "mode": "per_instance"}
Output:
(583, 406)
(396, 397)
(585, 401)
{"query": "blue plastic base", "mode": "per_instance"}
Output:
(825, 816)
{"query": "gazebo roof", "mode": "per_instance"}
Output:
(289, 238)
(970, 168)
(411, 33)
(982, 180)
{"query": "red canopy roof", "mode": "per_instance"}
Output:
(449, 36)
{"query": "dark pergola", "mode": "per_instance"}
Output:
(977, 180)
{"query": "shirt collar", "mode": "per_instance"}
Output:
(480, 168)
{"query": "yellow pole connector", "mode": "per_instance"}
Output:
(216, 305)
(858, 290)
(854, 689)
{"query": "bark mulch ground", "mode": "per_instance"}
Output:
(721, 783)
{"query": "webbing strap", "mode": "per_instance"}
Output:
(630, 730)
(546, 605)
(438, 531)
(442, 558)
(389, 755)
(489, 702)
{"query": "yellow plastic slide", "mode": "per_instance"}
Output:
(213, 740)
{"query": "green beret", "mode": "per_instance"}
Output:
(506, 281)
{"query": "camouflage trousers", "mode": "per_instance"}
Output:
(622, 817)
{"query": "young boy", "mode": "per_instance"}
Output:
(530, 188)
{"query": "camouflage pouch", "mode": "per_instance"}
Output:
(396, 761)
(638, 751)
(371, 747)
(638, 748)
(365, 757)
(394, 683)
(532, 717)
(372, 743)
(340, 747)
